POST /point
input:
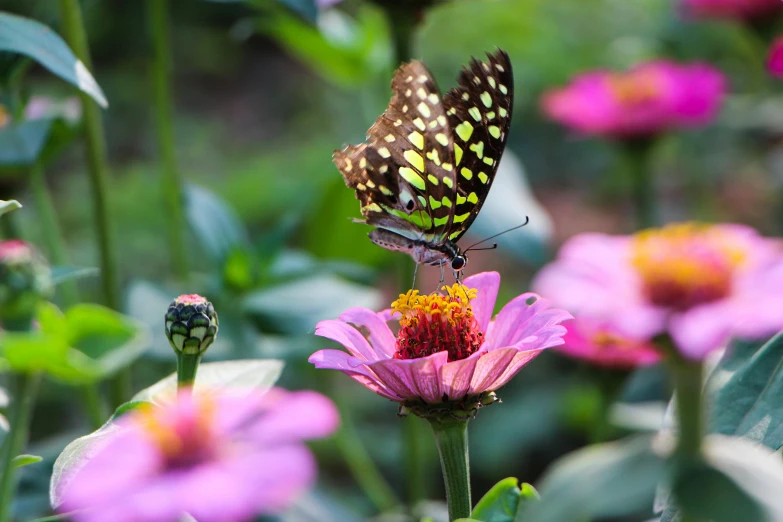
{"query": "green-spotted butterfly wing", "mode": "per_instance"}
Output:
(479, 114)
(429, 161)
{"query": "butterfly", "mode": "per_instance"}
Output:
(428, 162)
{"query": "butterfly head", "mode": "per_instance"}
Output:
(459, 262)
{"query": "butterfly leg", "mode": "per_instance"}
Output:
(415, 271)
(442, 277)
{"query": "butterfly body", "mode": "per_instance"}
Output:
(429, 161)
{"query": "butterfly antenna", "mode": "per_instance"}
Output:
(472, 247)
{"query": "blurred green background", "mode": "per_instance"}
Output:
(263, 95)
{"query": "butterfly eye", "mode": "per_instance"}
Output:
(409, 205)
(458, 263)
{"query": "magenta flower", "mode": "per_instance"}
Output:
(649, 99)
(742, 9)
(775, 58)
(448, 347)
(604, 345)
(702, 284)
(219, 458)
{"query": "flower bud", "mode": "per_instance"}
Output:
(191, 324)
(25, 279)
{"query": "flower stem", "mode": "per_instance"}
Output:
(24, 389)
(158, 19)
(187, 366)
(451, 436)
(75, 35)
(403, 17)
(638, 165)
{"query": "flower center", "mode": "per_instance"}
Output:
(634, 88)
(604, 341)
(184, 434)
(685, 265)
(435, 323)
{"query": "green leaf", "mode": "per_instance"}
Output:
(704, 493)
(500, 503)
(37, 351)
(25, 460)
(750, 403)
(22, 142)
(62, 274)
(8, 205)
(247, 376)
(214, 223)
(35, 40)
(606, 480)
(299, 305)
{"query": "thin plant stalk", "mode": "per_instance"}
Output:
(24, 390)
(451, 436)
(171, 184)
(95, 143)
(403, 19)
(187, 366)
(637, 155)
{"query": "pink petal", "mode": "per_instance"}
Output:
(489, 368)
(520, 361)
(699, 331)
(487, 285)
(346, 363)
(316, 417)
(413, 377)
(381, 336)
(455, 376)
(348, 336)
(519, 320)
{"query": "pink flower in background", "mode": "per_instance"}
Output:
(702, 284)
(775, 58)
(649, 99)
(219, 458)
(448, 347)
(604, 345)
(742, 9)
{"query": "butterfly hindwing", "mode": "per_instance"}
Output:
(479, 115)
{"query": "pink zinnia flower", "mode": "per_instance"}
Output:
(702, 284)
(648, 99)
(219, 458)
(775, 58)
(742, 9)
(604, 345)
(448, 347)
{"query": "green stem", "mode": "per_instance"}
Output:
(158, 14)
(403, 17)
(687, 377)
(187, 366)
(25, 387)
(451, 436)
(75, 35)
(638, 165)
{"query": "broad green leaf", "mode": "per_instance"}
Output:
(25, 460)
(750, 403)
(704, 493)
(22, 142)
(296, 307)
(241, 376)
(8, 205)
(35, 40)
(214, 223)
(502, 502)
(606, 480)
(62, 274)
(36, 351)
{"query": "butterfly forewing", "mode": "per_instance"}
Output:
(479, 115)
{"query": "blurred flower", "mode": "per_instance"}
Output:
(447, 348)
(219, 458)
(602, 344)
(730, 8)
(775, 57)
(191, 324)
(650, 98)
(702, 284)
(323, 4)
(38, 107)
(25, 279)
(5, 116)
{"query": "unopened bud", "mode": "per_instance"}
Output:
(191, 324)
(25, 280)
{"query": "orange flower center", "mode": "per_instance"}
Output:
(685, 265)
(185, 437)
(436, 322)
(634, 88)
